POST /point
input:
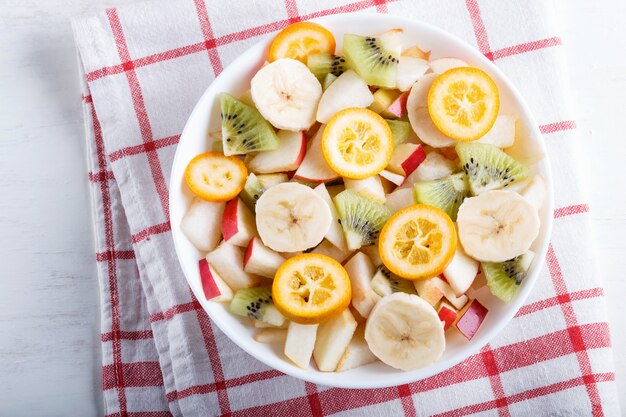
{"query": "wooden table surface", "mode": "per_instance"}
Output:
(49, 322)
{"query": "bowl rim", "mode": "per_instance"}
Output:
(477, 343)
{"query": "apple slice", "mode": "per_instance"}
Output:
(383, 99)
(447, 314)
(314, 167)
(410, 69)
(525, 149)
(471, 319)
(399, 199)
(357, 353)
(457, 301)
(502, 133)
(300, 343)
(271, 336)
(372, 252)
(214, 287)
(397, 108)
(333, 337)
(270, 180)
(261, 260)
(227, 260)
(202, 224)
(328, 249)
(416, 52)
(287, 157)
(360, 269)
(429, 291)
(263, 325)
(535, 192)
(335, 231)
(461, 271)
(434, 167)
(348, 90)
(406, 158)
(441, 65)
(392, 177)
(370, 187)
(238, 223)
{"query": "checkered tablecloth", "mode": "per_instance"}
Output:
(145, 65)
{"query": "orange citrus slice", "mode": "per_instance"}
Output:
(301, 39)
(463, 103)
(357, 143)
(311, 288)
(418, 242)
(215, 177)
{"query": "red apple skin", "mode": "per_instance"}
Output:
(248, 254)
(447, 315)
(413, 161)
(229, 219)
(471, 320)
(398, 107)
(209, 286)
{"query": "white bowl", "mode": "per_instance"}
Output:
(205, 118)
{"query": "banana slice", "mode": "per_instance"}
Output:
(497, 226)
(287, 94)
(405, 332)
(292, 217)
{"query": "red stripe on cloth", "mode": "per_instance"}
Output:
(570, 210)
(144, 147)
(127, 335)
(533, 393)
(151, 231)
(406, 400)
(557, 126)
(554, 301)
(109, 238)
(140, 108)
(523, 48)
(143, 414)
(292, 10)
(100, 176)
(136, 374)
(381, 6)
(479, 28)
(115, 254)
(214, 357)
(86, 98)
(207, 32)
(173, 311)
(575, 333)
(495, 381)
(229, 383)
(314, 399)
(287, 408)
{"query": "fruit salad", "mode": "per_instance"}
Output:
(355, 205)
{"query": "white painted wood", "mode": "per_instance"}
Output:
(49, 333)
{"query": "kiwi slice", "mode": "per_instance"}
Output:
(386, 283)
(400, 131)
(257, 304)
(374, 59)
(252, 190)
(244, 130)
(446, 193)
(504, 278)
(328, 80)
(360, 217)
(488, 168)
(322, 64)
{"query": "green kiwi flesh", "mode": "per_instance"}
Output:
(361, 218)
(244, 130)
(446, 193)
(252, 190)
(322, 64)
(488, 167)
(504, 278)
(386, 283)
(400, 131)
(374, 59)
(328, 80)
(257, 304)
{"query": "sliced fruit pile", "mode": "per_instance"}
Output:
(363, 201)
